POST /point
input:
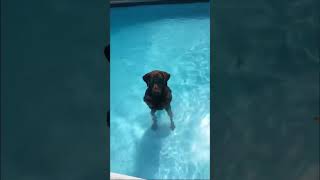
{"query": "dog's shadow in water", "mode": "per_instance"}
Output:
(148, 151)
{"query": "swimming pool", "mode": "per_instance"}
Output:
(175, 39)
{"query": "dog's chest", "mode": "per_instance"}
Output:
(157, 99)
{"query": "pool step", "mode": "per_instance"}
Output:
(122, 176)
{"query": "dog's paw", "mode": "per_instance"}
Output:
(172, 126)
(154, 126)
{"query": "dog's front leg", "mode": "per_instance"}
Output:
(169, 111)
(154, 119)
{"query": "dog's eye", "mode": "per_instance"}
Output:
(159, 81)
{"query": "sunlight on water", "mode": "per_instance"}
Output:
(175, 44)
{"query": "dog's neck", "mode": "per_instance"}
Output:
(156, 96)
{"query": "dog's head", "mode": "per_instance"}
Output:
(156, 81)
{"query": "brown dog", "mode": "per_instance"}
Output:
(158, 94)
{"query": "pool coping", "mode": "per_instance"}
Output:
(117, 176)
(127, 3)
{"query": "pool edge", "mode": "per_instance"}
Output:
(128, 3)
(117, 176)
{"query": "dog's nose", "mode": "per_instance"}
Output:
(156, 89)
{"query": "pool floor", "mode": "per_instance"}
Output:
(175, 39)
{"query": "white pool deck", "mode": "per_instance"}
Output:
(122, 176)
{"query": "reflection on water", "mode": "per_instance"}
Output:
(148, 152)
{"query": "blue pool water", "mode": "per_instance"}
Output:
(175, 39)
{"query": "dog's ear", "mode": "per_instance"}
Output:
(146, 78)
(166, 76)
